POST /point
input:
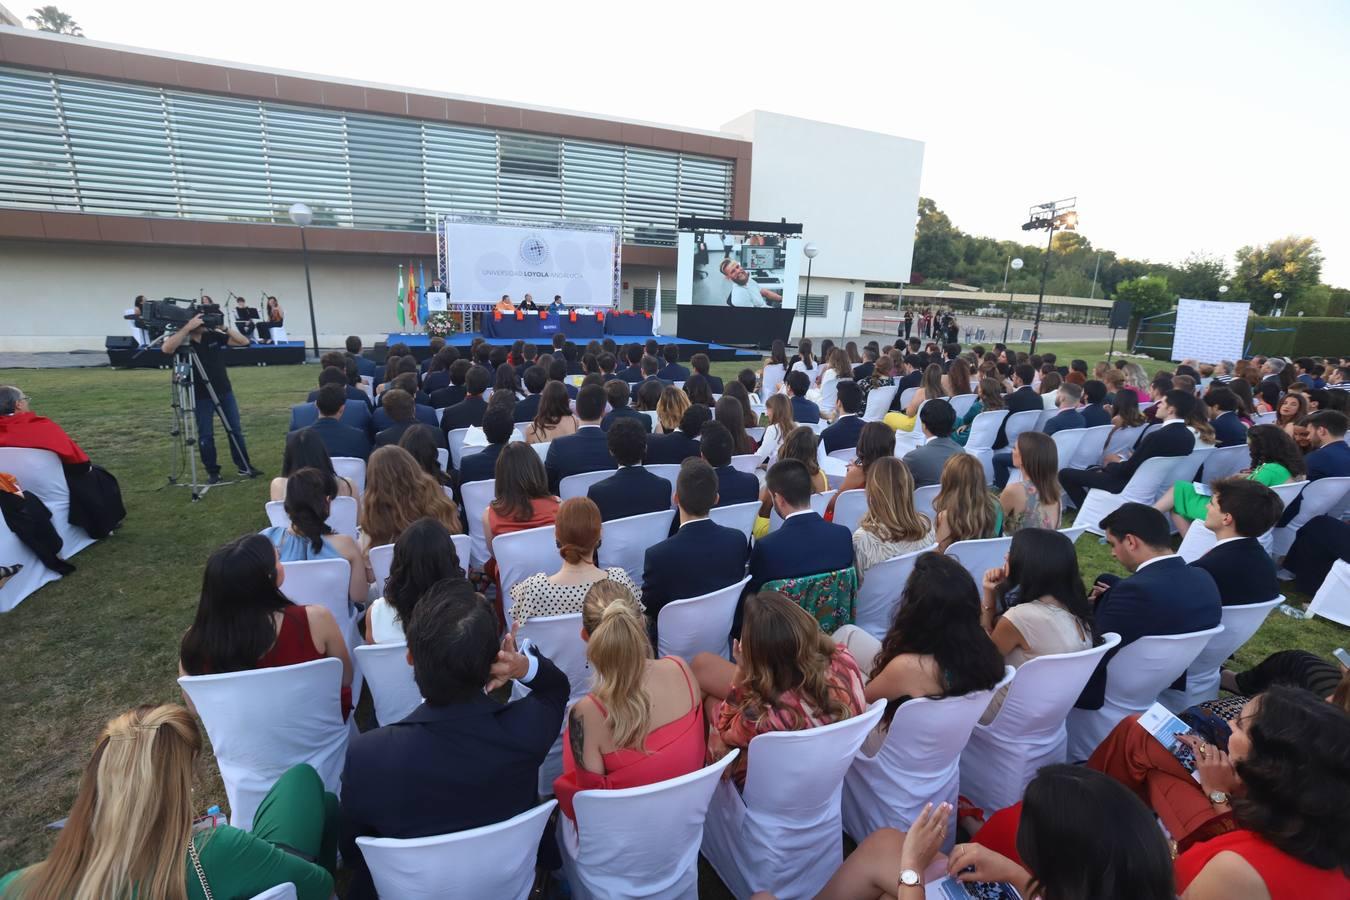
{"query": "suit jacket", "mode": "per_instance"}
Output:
(903, 384)
(1163, 597)
(448, 396)
(631, 491)
(735, 486)
(425, 415)
(843, 434)
(673, 372)
(640, 382)
(804, 412)
(480, 466)
(1021, 400)
(1168, 440)
(805, 545)
(448, 768)
(365, 367)
(356, 415)
(342, 440)
(626, 412)
(585, 451)
(353, 393)
(434, 381)
(1331, 461)
(862, 370)
(672, 448)
(715, 384)
(465, 414)
(1064, 420)
(394, 433)
(1229, 430)
(526, 409)
(1242, 570)
(926, 462)
(630, 374)
(667, 574)
(1095, 414)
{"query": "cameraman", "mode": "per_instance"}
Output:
(210, 344)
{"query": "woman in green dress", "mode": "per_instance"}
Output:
(989, 397)
(1275, 460)
(130, 832)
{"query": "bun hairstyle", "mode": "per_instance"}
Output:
(307, 504)
(577, 530)
(618, 650)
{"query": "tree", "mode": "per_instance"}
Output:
(936, 253)
(1291, 266)
(1149, 294)
(1200, 277)
(49, 18)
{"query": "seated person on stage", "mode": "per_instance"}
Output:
(397, 781)
(308, 535)
(145, 760)
(643, 722)
(632, 373)
(528, 304)
(585, 451)
(305, 450)
(1034, 501)
(95, 499)
(1240, 512)
(1275, 459)
(454, 392)
(925, 462)
(789, 677)
(423, 555)
(505, 305)
(891, 526)
(676, 447)
(672, 370)
(1162, 596)
(557, 307)
(733, 485)
(803, 411)
(875, 442)
(720, 552)
(534, 379)
(399, 492)
(245, 622)
(468, 413)
(632, 490)
(700, 363)
(578, 537)
(498, 429)
(1172, 438)
(399, 407)
(848, 422)
(553, 418)
(805, 544)
(616, 393)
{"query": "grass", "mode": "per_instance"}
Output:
(105, 638)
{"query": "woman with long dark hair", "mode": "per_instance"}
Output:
(306, 450)
(875, 441)
(423, 442)
(696, 388)
(308, 536)
(988, 398)
(737, 391)
(1032, 502)
(554, 417)
(731, 414)
(423, 555)
(1275, 459)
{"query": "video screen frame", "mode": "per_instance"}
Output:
(747, 269)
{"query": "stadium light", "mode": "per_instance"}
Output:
(1016, 266)
(302, 215)
(1057, 215)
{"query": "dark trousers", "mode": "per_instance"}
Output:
(206, 435)
(1077, 482)
(1002, 468)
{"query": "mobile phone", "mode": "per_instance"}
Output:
(1343, 655)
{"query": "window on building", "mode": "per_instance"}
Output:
(814, 305)
(643, 300)
(530, 157)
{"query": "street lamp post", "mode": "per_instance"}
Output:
(1052, 216)
(1016, 266)
(810, 251)
(1277, 297)
(302, 215)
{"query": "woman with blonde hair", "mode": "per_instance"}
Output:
(964, 508)
(1136, 379)
(1032, 502)
(930, 388)
(130, 831)
(781, 422)
(988, 398)
(670, 409)
(577, 534)
(891, 526)
(642, 722)
(554, 418)
(397, 494)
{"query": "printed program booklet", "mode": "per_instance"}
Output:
(1158, 721)
(951, 889)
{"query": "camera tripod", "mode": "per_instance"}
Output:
(187, 368)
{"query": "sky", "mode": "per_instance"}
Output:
(1180, 126)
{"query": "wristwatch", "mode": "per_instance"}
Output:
(1218, 798)
(909, 877)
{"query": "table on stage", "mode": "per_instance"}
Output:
(532, 326)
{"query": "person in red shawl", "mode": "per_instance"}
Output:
(95, 498)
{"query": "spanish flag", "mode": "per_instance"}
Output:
(412, 295)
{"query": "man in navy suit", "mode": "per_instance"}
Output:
(699, 558)
(398, 782)
(805, 544)
(869, 363)
(454, 392)
(1094, 413)
(1228, 428)
(338, 375)
(469, 411)
(1066, 399)
(676, 447)
(1240, 511)
(339, 439)
(632, 490)
(535, 378)
(701, 364)
(355, 414)
(733, 485)
(557, 371)
(632, 373)
(422, 411)
(585, 451)
(364, 367)
(1330, 459)
(848, 423)
(482, 466)
(1172, 438)
(398, 405)
(672, 370)
(616, 392)
(1022, 399)
(804, 412)
(1163, 596)
(649, 367)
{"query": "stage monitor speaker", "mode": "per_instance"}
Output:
(120, 342)
(1121, 310)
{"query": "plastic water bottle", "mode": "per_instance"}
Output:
(1292, 611)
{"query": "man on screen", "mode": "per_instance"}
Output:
(744, 290)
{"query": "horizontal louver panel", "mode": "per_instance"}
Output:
(35, 170)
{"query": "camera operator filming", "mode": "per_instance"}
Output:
(206, 336)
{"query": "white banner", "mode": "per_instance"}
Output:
(1209, 330)
(488, 260)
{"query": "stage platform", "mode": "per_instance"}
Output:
(420, 345)
(289, 353)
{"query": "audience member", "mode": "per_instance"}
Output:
(335, 360)
(891, 526)
(534, 380)
(1228, 428)
(423, 442)
(730, 413)
(1275, 459)
(880, 377)
(340, 439)
(455, 391)
(805, 544)
(931, 387)
(577, 529)
(781, 422)
(963, 509)
(926, 461)
(468, 413)
(1331, 454)
(632, 490)
(988, 398)
(1022, 399)
(498, 427)
(422, 411)
(398, 406)
(554, 418)
(733, 485)
(701, 364)
(650, 366)
(803, 410)
(672, 370)
(1240, 511)
(1172, 438)
(1032, 502)
(676, 446)
(1094, 410)
(737, 391)
(698, 392)
(424, 554)
(632, 373)
(521, 498)
(848, 422)
(397, 494)
(305, 449)
(616, 392)
(670, 410)
(585, 451)
(308, 535)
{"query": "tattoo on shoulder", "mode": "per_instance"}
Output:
(576, 732)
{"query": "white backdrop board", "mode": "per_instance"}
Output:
(485, 259)
(1209, 330)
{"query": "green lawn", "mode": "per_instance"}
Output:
(105, 638)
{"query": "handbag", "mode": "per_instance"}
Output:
(197, 867)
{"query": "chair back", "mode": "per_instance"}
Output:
(443, 457)
(699, 624)
(772, 378)
(640, 842)
(40, 473)
(923, 501)
(463, 548)
(745, 462)
(326, 583)
(624, 542)
(1067, 442)
(961, 404)
(1145, 486)
(835, 469)
(541, 449)
(264, 721)
(756, 431)
(978, 557)
(1198, 541)
(521, 554)
(1123, 440)
(1240, 622)
(669, 471)
(845, 455)
(381, 561)
(1318, 498)
(1073, 533)
(353, 469)
(1045, 417)
(578, 485)
(1188, 466)
(879, 596)
(492, 861)
(907, 395)
(1227, 461)
(850, 507)
(1091, 446)
(813, 761)
(477, 495)
(342, 515)
(1265, 418)
(740, 516)
(829, 597)
(390, 676)
(280, 892)
(818, 504)
(558, 638)
(980, 442)
(1332, 600)
(1018, 422)
(829, 396)
(454, 439)
(878, 403)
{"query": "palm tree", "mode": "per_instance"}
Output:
(49, 18)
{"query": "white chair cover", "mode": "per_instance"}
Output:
(280, 892)
(443, 457)
(541, 450)
(341, 516)
(33, 575)
(624, 542)
(878, 403)
(699, 624)
(879, 595)
(39, 472)
(845, 455)
(740, 516)
(835, 469)
(1123, 440)
(923, 501)
(463, 547)
(558, 638)
(354, 470)
(1067, 442)
(492, 861)
(1045, 417)
(1018, 422)
(980, 443)
(786, 842)
(818, 503)
(264, 721)
(1148, 482)
(381, 561)
(578, 485)
(1332, 600)
(327, 583)
(850, 507)
(1188, 467)
(477, 495)
(1319, 498)
(1028, 732)
(390, 676)
(756, 431)
(1134, 678)
(639, 843)
(745, 462)
(772, 378)
(1265, 418)
(1198, 541)
(1226, 461)
(1202, 676)
(1090, 448)
(961, 404)
(669, 471)
(521, 554)
(919, 761)
(907, 395)
(978, 557)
